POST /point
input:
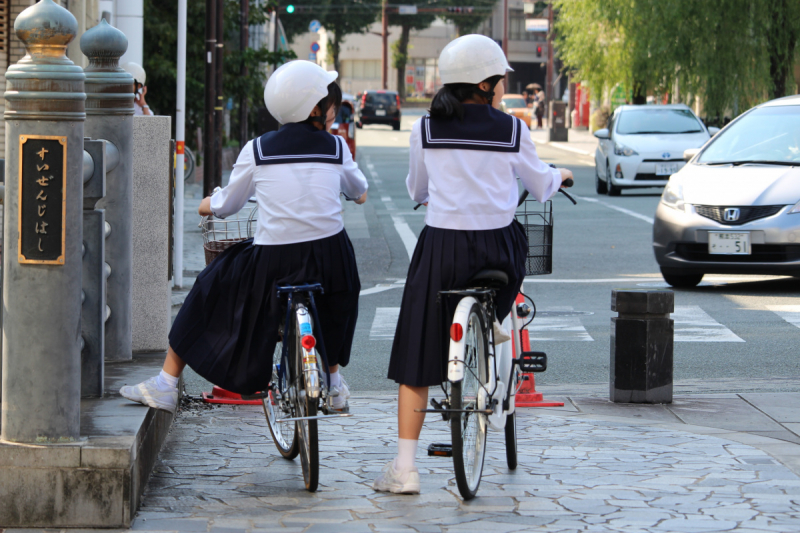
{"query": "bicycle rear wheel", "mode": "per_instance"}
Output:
(276, 407)
(468, 429)
(306, 429)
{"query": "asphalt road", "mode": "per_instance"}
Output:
(745, 329)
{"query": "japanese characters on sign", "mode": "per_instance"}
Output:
(42, 198)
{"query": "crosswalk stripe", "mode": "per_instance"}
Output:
(558, 324)
(692, 324)
(384, 323)
(790, 313)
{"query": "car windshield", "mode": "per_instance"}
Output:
(655, 120)
(380, 99)
(764, 135)
(514, 102)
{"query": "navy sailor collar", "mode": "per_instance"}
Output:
(297, 143)
(483, 128)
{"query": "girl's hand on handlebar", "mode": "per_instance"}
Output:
(205, 207)
(566, 175)
(361, 199)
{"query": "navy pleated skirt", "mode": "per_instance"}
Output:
(447, 259)
(227, 328)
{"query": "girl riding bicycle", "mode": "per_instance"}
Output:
(228, 326)
(463, 162)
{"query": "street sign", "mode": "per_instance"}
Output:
(312, 56)
(407, 10)
(538, 25)
(314, 26)
(315, 47)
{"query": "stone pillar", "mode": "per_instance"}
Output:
(109, 117)
(641, 346)
(43, 230)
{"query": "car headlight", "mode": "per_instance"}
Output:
(673, 196)
(795, 210)
(621, 149)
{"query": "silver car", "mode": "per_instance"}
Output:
(735, 207)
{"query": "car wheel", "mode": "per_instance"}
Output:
(396, 126)
(612, 189)
(359, 125)
(599, 184)
(681, 280)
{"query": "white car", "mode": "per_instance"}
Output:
(644, 144)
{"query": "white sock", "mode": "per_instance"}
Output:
(336, 379)
(406, 454)
(166, 383)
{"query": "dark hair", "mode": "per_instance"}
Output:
(333, 99)
(447, 103)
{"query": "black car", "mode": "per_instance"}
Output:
(380, 107)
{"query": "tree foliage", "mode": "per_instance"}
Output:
(161, 51)
(465, 22)
(727, 52)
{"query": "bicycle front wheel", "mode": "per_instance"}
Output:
(306, 429)
(468, 428)
(277, 406)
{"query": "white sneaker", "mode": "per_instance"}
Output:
(398, 482)
(500, 333)
(339, 401)
(147, 393)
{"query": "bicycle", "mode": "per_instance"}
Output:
(297, 391)
(483, 377)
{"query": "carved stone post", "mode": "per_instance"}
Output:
(109, 116)
(43, 230)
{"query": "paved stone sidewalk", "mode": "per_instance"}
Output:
(219, 471)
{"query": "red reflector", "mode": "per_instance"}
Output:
(308, 342)
(456, 332)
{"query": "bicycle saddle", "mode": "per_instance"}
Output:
(489, 279)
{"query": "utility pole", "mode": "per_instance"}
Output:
(180, 135)
(505, 39)
(244, 38)
(211, 99)
(218, 113)
(384, 51)
(548, 93)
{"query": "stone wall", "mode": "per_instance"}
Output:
(152, 208)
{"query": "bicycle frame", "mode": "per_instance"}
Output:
(500, 357)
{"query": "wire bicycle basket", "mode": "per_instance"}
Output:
(221, 234)
(537, 221)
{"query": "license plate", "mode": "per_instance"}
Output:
(728, 243)
(380, 113)
(666, 169)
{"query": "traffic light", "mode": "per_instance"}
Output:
(538, 51)
(290, 8)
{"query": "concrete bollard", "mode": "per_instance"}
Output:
(641, 346)
(43, 230)
(109, 117)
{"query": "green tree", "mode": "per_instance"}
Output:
(341, 20)
(420, 21)
(729, 52)
(160, 60)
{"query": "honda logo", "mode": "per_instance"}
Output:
(731, 214)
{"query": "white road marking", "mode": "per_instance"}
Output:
(790, 313)
(692, 324)
(384, 323)
(382, 287)
(634, 214)
(558, 324)
(406, 235)
(538, 279)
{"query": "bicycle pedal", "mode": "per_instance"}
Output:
(440, 450)
(532, 362)
(256, 396)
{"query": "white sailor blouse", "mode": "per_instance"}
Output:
(466, 170)
(296, 174)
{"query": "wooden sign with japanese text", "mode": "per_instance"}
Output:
(42, 198)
